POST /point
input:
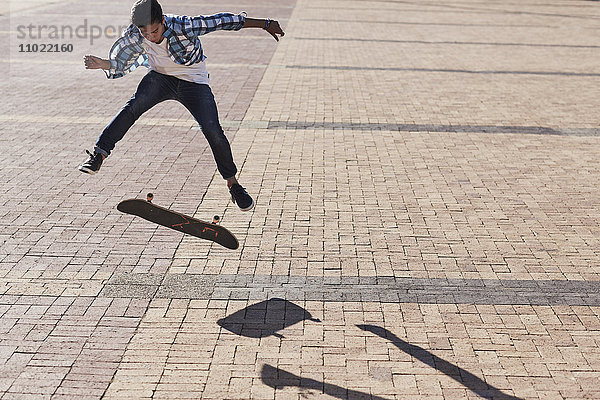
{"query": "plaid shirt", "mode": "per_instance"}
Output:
(183, 38)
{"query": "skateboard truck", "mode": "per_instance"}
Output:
(149, 197)
(216, 219)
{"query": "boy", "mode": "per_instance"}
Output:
(170, 46)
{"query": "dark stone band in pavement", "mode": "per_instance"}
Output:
(234, 125)
(529, 130)
(354, 289)
(446, 70)
(448, 42)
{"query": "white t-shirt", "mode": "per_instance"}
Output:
(159, 61)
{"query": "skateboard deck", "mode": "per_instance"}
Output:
(179, 222)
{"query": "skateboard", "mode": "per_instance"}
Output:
(179, 222)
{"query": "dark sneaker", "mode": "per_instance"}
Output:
(240, 197)
(93, 163)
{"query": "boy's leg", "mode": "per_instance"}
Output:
(199, 100)
(153, 89)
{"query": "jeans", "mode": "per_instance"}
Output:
(198, 99)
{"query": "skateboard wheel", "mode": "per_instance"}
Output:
(149, 197)
(216, 219)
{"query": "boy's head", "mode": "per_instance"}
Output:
(148, 16)
(146, 12)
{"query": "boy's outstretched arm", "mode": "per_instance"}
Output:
(269, 25)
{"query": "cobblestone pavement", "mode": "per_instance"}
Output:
(427, 222)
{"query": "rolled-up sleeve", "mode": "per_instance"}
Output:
(126, 54)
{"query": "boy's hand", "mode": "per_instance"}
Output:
(93, 62)
(269, 25)
(274, 29)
